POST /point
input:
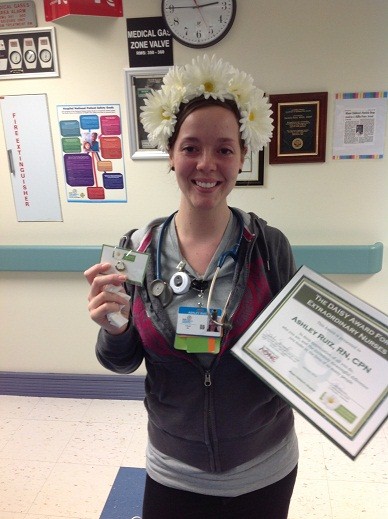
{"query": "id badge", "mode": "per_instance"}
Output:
(129, 263)
(196, 332)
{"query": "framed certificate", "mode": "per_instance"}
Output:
(299, 128)
(325, 352)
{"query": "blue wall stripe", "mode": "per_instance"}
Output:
(69, 385)
(324, 259)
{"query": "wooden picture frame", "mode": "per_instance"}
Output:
(299, 128)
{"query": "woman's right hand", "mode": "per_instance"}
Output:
(103, 302)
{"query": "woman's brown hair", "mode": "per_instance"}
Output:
(200, 102)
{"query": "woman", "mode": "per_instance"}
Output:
(221, 443)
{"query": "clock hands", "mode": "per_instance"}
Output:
(195, 6)
(204, 5)
(200, 12)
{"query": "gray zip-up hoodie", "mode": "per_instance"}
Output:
(218, 418)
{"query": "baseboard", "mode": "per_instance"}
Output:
(64, 385)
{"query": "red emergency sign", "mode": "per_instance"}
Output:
(58, 8)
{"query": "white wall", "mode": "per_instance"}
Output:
(288, 46)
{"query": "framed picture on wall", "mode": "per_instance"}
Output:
(28, 53)
(138, 83)
(253, 170)
(300, 128)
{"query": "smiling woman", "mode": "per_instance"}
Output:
(221, 443)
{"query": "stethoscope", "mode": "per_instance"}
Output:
(181, 282)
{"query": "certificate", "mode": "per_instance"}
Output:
(325, 352)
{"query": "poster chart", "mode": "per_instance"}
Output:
(325, 352)
(91, 143)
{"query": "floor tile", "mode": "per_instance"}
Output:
(12, 515)
(370, 465)
(358, 500)
(98, 444)
(311, 460)
(112, 411)
(34, 516)
(310, 500)
(17, 406)
(20, 483)
(39, 440)
(135, 454)
(8, 427)
(66, 409)
(76, 491)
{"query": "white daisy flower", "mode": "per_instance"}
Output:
(208, 77)
(174, 80)
(256, 122)
(241, 86)
(158, 117)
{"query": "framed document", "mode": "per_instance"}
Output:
(138, 82)
(252, 173)
(299, 128)
(325, 352)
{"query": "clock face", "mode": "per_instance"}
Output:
(199, 23)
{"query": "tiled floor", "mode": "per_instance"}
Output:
(59, 458)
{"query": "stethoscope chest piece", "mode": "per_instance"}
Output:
(162, 290)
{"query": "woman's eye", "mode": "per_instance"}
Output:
(189, 149)
(226, 151)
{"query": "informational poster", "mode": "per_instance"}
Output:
(325, 352)
(92, 153)
(359, 125)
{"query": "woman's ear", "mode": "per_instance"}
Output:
(172, 168)
(244, 151)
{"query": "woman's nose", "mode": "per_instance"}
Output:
(206, 161)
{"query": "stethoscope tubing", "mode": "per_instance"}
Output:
(233, 253)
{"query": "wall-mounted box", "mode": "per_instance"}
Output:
(55, 9)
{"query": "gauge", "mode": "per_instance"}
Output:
(15, 57)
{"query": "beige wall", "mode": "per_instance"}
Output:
(288, 46)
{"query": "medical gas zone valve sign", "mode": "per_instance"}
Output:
(58, 8)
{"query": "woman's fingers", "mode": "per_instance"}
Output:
(106, 296)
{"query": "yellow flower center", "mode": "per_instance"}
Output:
(251, 116)
(165, 115)
(209, 87)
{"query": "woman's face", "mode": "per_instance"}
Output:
(207, 156)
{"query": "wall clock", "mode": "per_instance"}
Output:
(198, 23)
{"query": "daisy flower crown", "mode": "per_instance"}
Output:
(208, 78)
